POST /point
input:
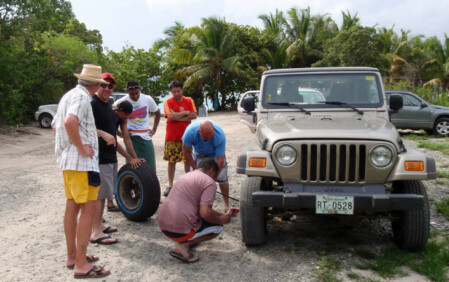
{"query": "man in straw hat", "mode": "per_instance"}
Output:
(76, 149)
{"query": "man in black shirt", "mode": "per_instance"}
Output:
(105, 121)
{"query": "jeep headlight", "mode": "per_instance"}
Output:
(286, 155)
(381, 156)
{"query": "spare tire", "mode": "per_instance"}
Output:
(137, 192)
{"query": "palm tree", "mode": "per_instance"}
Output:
(438, 66)
(305, 35)
(349, 21)
(213, 57)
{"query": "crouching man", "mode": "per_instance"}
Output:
(187, 217)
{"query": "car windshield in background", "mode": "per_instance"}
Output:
(311, 90)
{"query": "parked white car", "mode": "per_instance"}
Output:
(45, 114)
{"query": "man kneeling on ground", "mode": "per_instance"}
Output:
(187, 217)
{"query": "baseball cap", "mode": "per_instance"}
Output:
(123, 105)
(107, 75)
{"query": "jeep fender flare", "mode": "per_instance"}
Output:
(254, 152)
(399, 173)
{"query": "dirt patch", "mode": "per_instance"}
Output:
(33, 244)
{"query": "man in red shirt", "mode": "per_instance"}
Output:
(179, 111)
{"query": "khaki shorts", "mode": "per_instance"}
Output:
(173, 152)
(77, 188)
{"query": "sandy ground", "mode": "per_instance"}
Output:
(32, 241)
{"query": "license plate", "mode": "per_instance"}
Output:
(326, 204)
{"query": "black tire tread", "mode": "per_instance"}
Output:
(151, 190)
(253, 220)
(411, 231)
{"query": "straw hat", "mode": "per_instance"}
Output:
(91, 73)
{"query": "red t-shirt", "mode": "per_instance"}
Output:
(175, 129)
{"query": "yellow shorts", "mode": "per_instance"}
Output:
(77, 187)
(173, 152)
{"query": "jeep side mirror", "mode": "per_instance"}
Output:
(248, 104)
(396, 102)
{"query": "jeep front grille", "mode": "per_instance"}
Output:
(334, 163)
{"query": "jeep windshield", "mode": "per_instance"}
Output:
(354, 90)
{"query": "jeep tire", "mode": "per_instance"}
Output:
(411, 227)
(253, 221)
(137, 192)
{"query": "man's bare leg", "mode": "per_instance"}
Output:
(186, 167)
(83, 231)
(224, 187)
(98, 226)
(184, 247)
(171, 173)
(70, 224)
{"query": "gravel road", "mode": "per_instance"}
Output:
(33, 244)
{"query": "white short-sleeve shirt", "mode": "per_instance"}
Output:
(139, 119)
(76, 102)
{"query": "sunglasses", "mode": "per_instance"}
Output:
(133, 87)
(110, 86)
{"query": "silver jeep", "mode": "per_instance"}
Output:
(325, 146)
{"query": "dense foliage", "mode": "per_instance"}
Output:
(43, 44)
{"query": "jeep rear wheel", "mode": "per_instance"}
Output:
(137, 192)
(253, 219)
(411, 227)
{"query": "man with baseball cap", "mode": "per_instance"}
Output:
(76, 149)
(105, 121)
(139, 122)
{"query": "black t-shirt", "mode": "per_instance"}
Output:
(105, 120)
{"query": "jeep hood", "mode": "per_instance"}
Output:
(336, 128)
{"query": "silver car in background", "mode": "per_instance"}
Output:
(417, 113)
(45, 114)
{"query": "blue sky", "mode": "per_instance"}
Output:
(140, 23)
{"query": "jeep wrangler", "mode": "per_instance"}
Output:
(325, 146)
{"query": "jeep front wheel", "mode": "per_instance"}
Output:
(252, 218)
(411, 227)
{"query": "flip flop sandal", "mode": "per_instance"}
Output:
(95, 272)
(90, 259)
(177, 255)
(114, 209)
(100, 240)
(110, 229)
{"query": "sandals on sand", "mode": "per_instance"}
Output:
(90, 259)
(192, 258)
(167, 191)
(110, 229)
(114, 209)
(101, 241)
(95, 272)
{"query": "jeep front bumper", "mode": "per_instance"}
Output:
(362, 202)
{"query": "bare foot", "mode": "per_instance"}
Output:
(184, 249)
